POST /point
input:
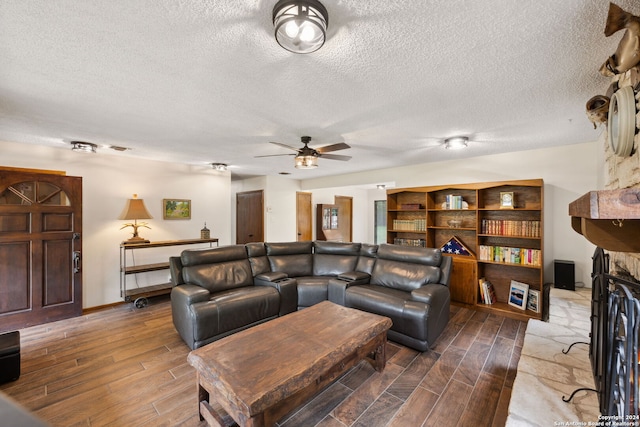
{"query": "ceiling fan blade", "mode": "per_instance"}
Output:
(333, 147)
(284, 145)
(335, 157)
(276, 155)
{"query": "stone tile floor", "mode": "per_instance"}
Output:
(545, 374)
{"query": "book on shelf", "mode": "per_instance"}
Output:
(509, 255)
(514, 228)
(487, 291)
(454, 202)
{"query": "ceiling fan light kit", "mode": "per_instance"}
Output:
(307, 157)
(306, 162)
(300, 25)
(456, 143)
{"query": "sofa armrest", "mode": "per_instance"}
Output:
(270, 276)
(446, 266)
(431, 294)
(182, 297)
(288, 290)
(355, 276)
(188, 294)
(337, 287)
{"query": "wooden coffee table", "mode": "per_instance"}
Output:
(262, 373)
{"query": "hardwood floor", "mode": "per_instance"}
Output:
(122, 366)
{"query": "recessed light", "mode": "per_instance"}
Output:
(84, 147)
(456, 143)
(219, 166)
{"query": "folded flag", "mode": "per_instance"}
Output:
(455, 247)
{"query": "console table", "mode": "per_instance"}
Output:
(140, 294)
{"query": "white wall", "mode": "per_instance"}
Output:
(108, 181)
(568, 172)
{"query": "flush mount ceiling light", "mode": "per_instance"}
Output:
(300, 25)
(219, 166)
(84, 147)
(456, 143)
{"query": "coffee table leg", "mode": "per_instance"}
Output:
(203, 396)
(380, 356)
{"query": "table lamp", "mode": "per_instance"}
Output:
(135, 210)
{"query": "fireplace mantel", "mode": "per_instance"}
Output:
(609, 219)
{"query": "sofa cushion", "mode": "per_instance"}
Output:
(233, 309)
(406, 268)
(409, 317)
(217, 269)
(367, 258)
(334, 258)
(312, 290)
(258, 258)
(293, 258)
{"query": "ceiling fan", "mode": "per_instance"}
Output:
(307, 157)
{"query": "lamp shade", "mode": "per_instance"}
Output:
(135, 209)
(300, 25)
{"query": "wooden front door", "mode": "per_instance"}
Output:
(303, 217)
(249, 217)
(40, 248)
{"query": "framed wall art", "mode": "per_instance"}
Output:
(518, 294)
(176, 209)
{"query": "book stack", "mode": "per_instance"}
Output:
(487, 291)
(508, 255)
(409, 242)
(410, 224)
(453, 202)
(503, 227)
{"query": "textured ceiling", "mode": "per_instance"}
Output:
(198, 81)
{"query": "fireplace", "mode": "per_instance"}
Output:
(613, 349)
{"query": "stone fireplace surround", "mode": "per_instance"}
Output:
(623, 173)
(545, 373)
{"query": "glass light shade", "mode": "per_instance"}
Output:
(300, 25)
(456, 143)
(306, 162)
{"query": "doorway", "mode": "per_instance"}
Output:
(249, 217)
(303, 217)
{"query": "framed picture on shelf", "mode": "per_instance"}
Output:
(176, 209)
(533, 300)
(518, 293)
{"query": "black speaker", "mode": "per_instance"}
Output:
(564, 274)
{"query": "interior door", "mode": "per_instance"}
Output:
(40, 248)
(345, 217)
(249, 217)
(303, 217)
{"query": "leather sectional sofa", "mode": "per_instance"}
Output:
(220, 291)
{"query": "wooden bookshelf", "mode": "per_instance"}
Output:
(473, 214)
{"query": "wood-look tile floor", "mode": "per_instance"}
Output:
(123, 366)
